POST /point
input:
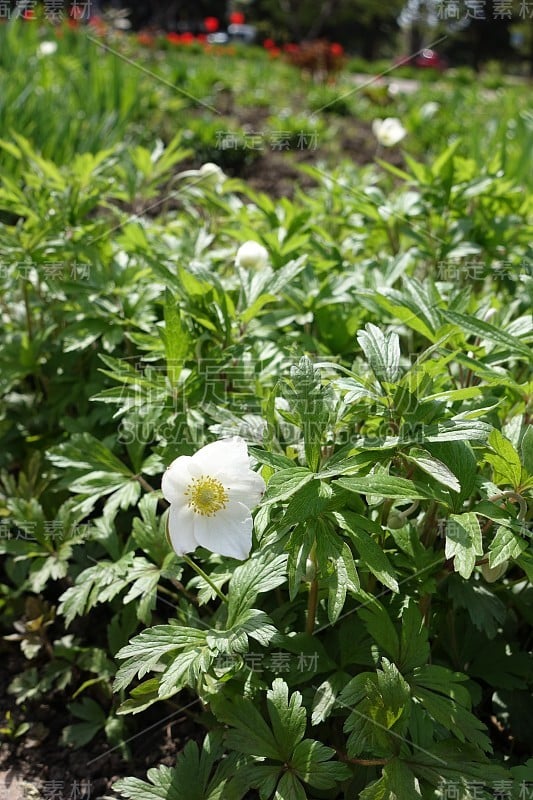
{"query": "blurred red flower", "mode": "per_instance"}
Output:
(336, 49)
(211, 24)
(269, 43)
(98, 24)
(174, 38)
(236, 18)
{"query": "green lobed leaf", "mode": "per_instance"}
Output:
(194, 776)
(378, 702)
(285, 484)
(325, 696)
(381, 628)
(287, 716)
(290, 788)
(312, 762)
(372, 556)
(146, 649)
(414, 645)
(398, 782)
(505, 460)
(526, 449)
(382, 352)
(260, 573)
(307, 502)
(455, 718)
(386, 486)
(486, 331)
(249, 733)
(463, 542)
(460, 459)
(343, 578)
(175, 338)
(437, 469)
(505, 546)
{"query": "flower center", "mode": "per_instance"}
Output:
(206, 496)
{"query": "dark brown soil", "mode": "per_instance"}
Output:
(277, 173)
(60, 772)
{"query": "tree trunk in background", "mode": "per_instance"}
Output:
(291, 15)
(327, 9)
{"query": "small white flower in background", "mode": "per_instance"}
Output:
(121, 24)
(210, 170)
(251, 255)
(429, 109)
(388, 131)
(47, 48)
(394, 89)
(210, 495)
(208, 173)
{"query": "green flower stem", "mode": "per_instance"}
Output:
(199, 571)
(168, 593)
(148, 488)
(312, 600)
(514, 497)
(385, 511)
(144, 483)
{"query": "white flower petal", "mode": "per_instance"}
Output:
(225, 455)
(181, 529)
(176, 479)
(228, 533)
(246, 489)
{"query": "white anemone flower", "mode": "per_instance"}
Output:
(210, 170)
(388, 131)
(210, 495)
(47, 48)
(208, 174)
(251, 255)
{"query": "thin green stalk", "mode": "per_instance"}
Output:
(312, 600)
(199, 571)
(29, 323)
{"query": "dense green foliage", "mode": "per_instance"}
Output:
(376, 644)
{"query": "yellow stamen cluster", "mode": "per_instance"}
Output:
(206, 496)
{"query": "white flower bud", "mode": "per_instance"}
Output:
(251, 255)
(429, 109)
(492, 574)
(210, 170)
(47, 48)
(388, 131)
(396, 520)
